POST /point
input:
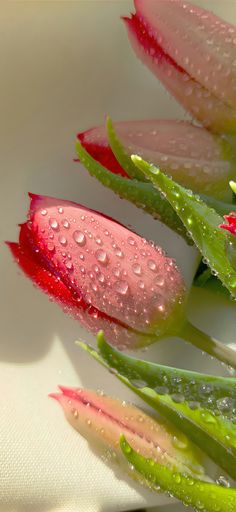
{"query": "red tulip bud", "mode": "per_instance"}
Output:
(103, 274)
(193, 53)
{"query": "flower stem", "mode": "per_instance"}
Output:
(210, 345)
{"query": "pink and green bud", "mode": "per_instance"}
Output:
(193, 53)
(190, 154)
(103, 274)
(102, 419)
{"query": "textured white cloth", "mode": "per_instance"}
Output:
(63, 64)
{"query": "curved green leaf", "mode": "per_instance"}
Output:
(143, 195)
(202, 406)
(201, 221)
(203, 496)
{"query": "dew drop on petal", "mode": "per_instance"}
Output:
(152, 265)
(119, 253)
(131, 240)
(98, 241)
(50, 246)
(101, 257)
(62, 239)
(79, 238)
(60, 210)
(44, 212)
(66, 224)
(137, 269)
(69, 265)
(121, 287)
(53, 223)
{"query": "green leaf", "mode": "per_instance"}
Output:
(206, 280)
(143, 195)
(201, 406)
(201, 221)
(203, 496)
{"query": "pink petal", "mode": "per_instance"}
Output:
(190, 154)
(102, 419)
(200, 42)
(231, 226)
(116, 271)
(211, 111)
(101, 152)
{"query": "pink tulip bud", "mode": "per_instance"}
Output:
(103, 274)
(193, 53)
(190, 154)
(231, 226)
(102, 419)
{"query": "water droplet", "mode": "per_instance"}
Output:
(141, 285)
(121, 287)
(69, 265)
(193, 405)
(75, 413)
(66, 224)
(177, 398)
(44, 212)
(79, 238)
(208, 417)
(222, 480)
(138, 383)
(131, 240)
(62, 239)
(177, 478)
(88, 421)
(50, 246)
(98, 241)
(101, 278)
(160, 280)
(161, 390)
(101, 257)
(119, 253)
(137, 269)
(180, 442)
(152, 265)
(225, 404)
(60, 210)
(53, 223)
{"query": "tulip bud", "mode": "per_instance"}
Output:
(99, 271)
(231, 226)
(189, 154)
(192, 52)
(102, 419)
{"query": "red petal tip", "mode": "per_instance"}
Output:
(55, 396)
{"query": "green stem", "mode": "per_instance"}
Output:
(210, 345)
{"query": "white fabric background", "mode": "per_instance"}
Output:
(63, 65)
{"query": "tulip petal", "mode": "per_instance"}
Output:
(101, 419)
(146, 40)
(115, 270)
(110, 272)
(98, 148)
(200, 42)
(188, 153)
(183, 398)
(198, 494)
